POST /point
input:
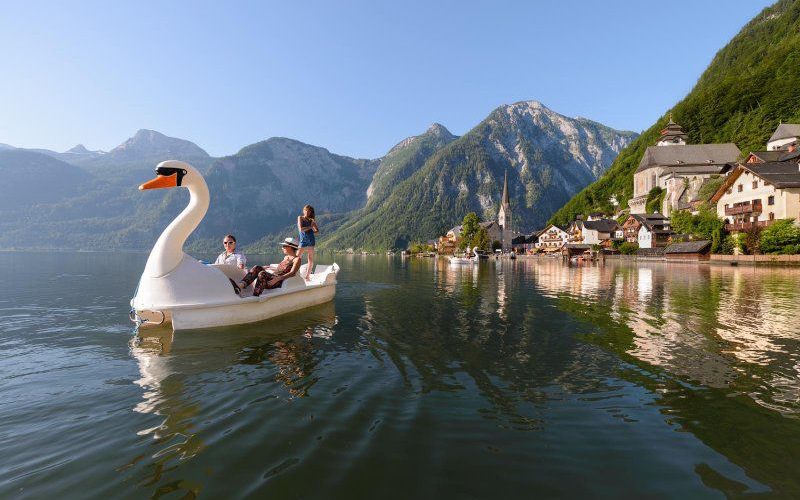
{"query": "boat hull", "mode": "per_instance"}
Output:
(236, 314)
(460, 261)
(247, 310)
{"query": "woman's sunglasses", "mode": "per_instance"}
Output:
(228, 242)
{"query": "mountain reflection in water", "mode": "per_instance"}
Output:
(419, 380)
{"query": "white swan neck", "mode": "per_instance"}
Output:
(167, 253)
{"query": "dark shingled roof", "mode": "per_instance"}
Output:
(785, 131)
(602, 225)
(781, 174)
(519, 240)
(688, 247)
(690, 157)
(768, 155)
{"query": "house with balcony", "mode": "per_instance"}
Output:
(756, 194)
(552, 239)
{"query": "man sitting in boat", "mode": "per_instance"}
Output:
(268, 279)
(230, 255)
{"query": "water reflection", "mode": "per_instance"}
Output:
(170, 365)
(719, 345)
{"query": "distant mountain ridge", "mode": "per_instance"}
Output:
(548, 157)
(149, 143)
(423, 184)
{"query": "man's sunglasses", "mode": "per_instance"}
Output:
(228, 242)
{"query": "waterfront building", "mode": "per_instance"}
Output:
(678, 168)
(647, 230)
(592, 232)
(688, 251)
(552, 238)
(756, 194)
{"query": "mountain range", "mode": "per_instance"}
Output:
(82, 199)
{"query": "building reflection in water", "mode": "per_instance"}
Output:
(714, 325)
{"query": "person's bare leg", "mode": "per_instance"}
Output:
(310, 262)
(300, 254)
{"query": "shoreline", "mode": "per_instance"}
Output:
(716, 259)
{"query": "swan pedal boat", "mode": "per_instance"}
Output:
(462, 261)
(179, 290)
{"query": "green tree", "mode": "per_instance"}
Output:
(705, 225)
(655, 200)
(482, 240)
(469, 229)
(783, 236)
(628, 248)
(751, 241)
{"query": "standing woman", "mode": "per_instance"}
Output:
(307, 227)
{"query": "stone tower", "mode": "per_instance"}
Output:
(504, 217)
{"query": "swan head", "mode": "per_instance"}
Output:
(170, 174)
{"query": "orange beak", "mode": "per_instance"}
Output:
(161, 181)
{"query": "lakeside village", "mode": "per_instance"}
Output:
(690, 202)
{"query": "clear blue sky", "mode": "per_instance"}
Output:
(354, 77)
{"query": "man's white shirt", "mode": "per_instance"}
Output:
(234, 258)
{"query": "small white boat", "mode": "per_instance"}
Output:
(465, 261)
(179, 290)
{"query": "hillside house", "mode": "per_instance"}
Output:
(755, 194)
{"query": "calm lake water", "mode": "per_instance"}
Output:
(517, 379)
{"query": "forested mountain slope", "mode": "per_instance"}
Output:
(549, 157)
(751, 85)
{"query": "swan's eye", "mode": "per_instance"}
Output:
(167, 171)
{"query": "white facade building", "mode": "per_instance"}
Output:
(784, 135)
(755, 194)
(552, 239)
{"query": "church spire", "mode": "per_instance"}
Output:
(505, 189)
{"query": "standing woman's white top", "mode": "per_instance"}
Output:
(230, 255)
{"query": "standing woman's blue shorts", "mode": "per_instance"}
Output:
(307, 239)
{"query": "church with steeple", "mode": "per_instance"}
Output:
(504, 218)
(678, 168)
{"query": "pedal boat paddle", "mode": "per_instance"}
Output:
(178, 290)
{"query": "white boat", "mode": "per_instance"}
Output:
(179, 290)
(465, 261)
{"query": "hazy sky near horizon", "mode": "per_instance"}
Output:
(355, 77)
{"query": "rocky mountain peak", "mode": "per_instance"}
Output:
(150, 143)
(439, 130)
(80, 149)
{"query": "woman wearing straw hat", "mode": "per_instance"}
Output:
(266, 280)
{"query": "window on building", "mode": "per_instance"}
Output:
(729, 191)
(770, 200)
(739, 188)
(726, 206)
(755, 184)
(771, 216)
